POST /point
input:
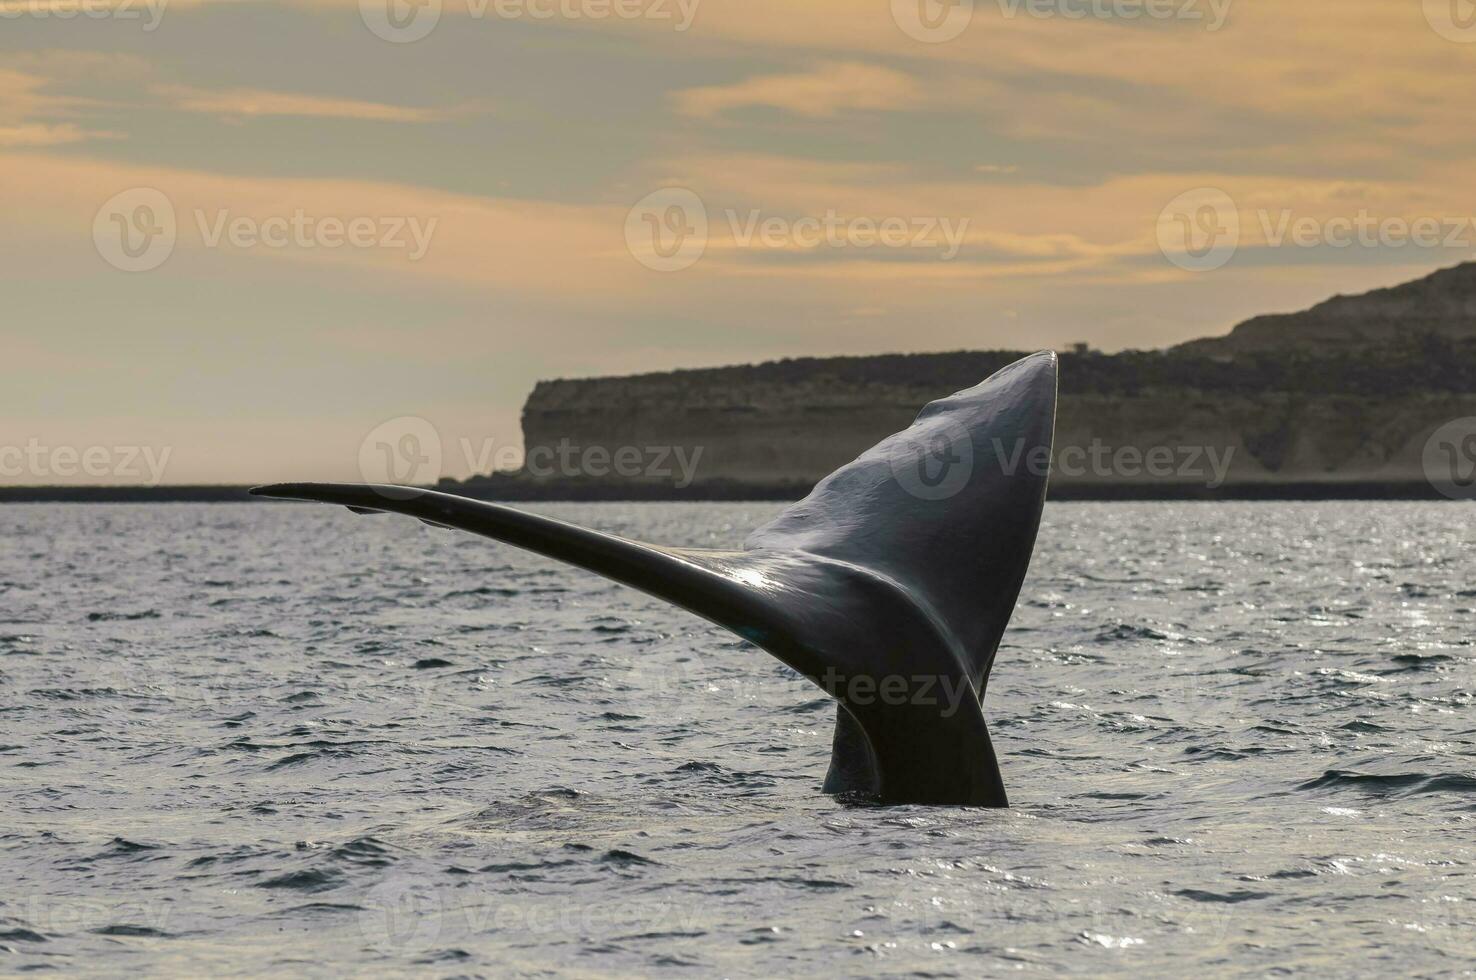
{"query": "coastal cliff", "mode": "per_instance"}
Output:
(1346, 393)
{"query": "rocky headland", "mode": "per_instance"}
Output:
(1339, 400)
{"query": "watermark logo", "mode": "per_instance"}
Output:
(135, 230)
(66, 916)
(1199, 230)
(400, 21)
(565, 460)
(1450, 459)
(404, 21)
(670, 230)
(933, 21)
(937, 21)
(939, 462)
(832, 230)
(1212, 13)
(1365, 230)
(301, 230)
(401, 915)
(1454, 20)
(934, 463)
(667, 230)
(151, 12)
(1098, 461)
(404, 451)
(40, 462)
(941, 691)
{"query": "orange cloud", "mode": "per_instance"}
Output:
(250, 102)
(528, 246)
(41, 134)
(28, 114)
(830, 88)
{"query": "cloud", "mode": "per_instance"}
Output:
(488, 243)
(29, 115)
(829, 88)
(41, 134)
(251, 103)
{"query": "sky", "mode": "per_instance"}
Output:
(239, 237)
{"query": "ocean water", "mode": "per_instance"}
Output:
(1239, 740)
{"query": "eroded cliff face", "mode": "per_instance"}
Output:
(771, 432)
(1350, 390)
(795, 432)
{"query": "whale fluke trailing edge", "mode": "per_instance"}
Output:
(889, 586)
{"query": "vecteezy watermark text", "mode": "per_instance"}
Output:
(136, 230)
(1201, 229)
(675, 463)
(937, 21)
(151, 12)
(938, 463)
(38, 461)
(668, 230)
(404, 21)
(409, 450)
(896, 690)
(834, 231)
(405, 233)
(1103, 461)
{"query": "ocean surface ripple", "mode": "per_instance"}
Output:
(1239, 739)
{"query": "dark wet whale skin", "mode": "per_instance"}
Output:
(888, 596)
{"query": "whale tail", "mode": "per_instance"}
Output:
(889, 586)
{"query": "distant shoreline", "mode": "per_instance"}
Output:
(737, 492)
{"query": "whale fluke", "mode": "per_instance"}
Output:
(889, 586)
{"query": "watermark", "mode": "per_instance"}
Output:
(38, 461)
(1365, 230)
(941, 691)
(405, 233)
(150, 12)
(409, 451)
(400, 21)
(1450, 459)
(410, 913)
(51, 915)
(403, 913)
(137, 230)
(677, 464)
(406, 21)
(937, 21)
(933, 21)
(207, 690)
(833, 230)
(776, 686)
(404, 451)
(668, 231)
(1102, 461)
(1211, 13)
(936, 462)
(1454, 20)
(1201, 230)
